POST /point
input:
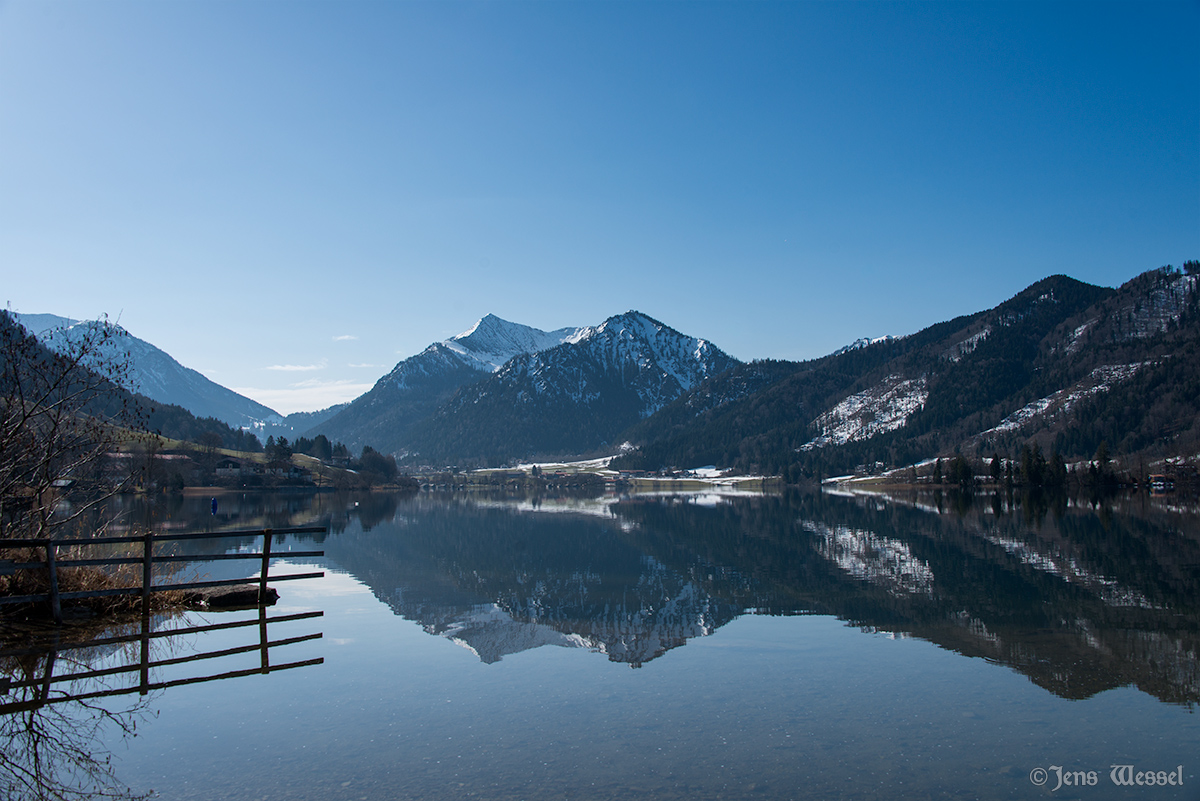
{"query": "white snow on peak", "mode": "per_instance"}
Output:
(147, 369)
(492, 341)
(39, 324)
(647, 356)
(485, 346)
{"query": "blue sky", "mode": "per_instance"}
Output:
(332, 186)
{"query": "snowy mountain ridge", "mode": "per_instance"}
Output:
(493, 341)
(484, 348)
(574, 397)
(153, 372)
(653, 359)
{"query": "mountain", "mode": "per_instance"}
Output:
(1064, 364)
(572, 398)
(153, 373)
(385, 416)
(95, 392)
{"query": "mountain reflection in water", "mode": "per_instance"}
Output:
(1079, 599)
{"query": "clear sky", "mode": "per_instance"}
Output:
(329, 187)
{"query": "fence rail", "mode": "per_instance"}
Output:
(52, 564)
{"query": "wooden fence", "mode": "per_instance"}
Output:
(147, 560)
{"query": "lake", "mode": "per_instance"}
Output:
(790, 646)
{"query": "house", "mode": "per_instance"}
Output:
(229, 468)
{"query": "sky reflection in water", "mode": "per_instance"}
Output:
(790, 702)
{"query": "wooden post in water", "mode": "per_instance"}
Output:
(147, 568)
(147, 580)
(266, 566)
(262, 601)
(52, 569)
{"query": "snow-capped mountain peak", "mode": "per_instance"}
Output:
(415, 387)
(152, 371)
(577, 395)
(492, 341)
(638, 338)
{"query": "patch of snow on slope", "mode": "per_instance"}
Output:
(866, 556)
(1076, 342)
(1102, 379)
(960, 349)
(884, 407)
(1165, 305)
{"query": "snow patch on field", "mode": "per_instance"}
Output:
(884, 407)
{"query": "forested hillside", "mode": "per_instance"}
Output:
(1063, 364)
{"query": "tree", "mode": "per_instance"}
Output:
(961, 473)
(1058, 470)
(321, 448)
(1101, 457)
(377, 468)
(278, 450)
(60, 414)
(1033, 466)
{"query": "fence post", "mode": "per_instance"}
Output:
(55, 604)
(147, 567)
(147, 580)
(266, 565)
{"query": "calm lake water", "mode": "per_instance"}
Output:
(797, 646)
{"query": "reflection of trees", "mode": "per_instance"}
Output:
(50, 746)
(51, 738)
